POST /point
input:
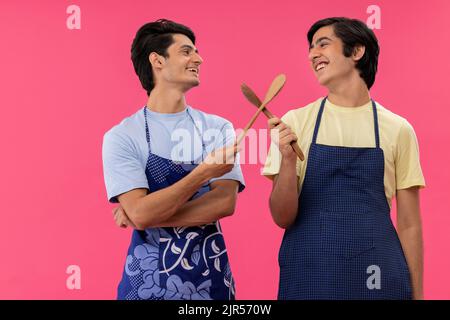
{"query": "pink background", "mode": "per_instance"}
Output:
(62, 89)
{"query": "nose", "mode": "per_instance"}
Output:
(313, 54)
(197, 58)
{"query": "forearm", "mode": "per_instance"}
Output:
(283, 200)
(411, 240)
(409, 227)
(160, 205)
(208, 208)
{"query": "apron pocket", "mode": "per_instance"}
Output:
(346, 234)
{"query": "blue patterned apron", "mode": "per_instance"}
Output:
(180, 262)
(343, 230)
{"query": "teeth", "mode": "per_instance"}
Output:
(320, 66)
(192, 69)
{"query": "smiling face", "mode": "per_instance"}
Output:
(326, 54)
(181, 67)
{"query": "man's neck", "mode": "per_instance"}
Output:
(351, 93)
(166, 100)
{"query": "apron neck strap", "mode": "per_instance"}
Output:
(319, 118)
(147, 133)
(375, 124)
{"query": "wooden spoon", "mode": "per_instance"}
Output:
(274, 88)
(253, 98)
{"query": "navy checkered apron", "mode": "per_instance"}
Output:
(343, 244)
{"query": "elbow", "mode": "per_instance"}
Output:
(283, 217)
(229, 206)
(138, 222)
(139, 227)
(142, 224)
(283, 223)
(408, 222)
(228, 212)
(413, 229)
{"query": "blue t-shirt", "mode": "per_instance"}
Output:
(185, 136)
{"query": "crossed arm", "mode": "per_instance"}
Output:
(170, 207)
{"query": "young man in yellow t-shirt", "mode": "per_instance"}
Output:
(340, 242)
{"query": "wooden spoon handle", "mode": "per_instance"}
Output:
(297, 150)
(294, 144)
(268, 114)
(250, 123)
(253, 98)
(275, 87)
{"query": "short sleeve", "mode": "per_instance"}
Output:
(122, 168)
(228, 138)
(273, 160)
(408, 172)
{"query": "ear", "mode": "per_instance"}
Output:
(358, 52)
(156, 60)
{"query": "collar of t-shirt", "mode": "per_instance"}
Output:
(334, 107)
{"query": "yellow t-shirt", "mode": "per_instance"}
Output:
(354, 127)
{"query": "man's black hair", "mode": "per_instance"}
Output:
(156, 37)
(354, 33)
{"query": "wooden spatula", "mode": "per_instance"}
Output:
(253, 98)
(274, 88)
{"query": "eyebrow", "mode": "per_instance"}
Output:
(318, 40)
(186, 46)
